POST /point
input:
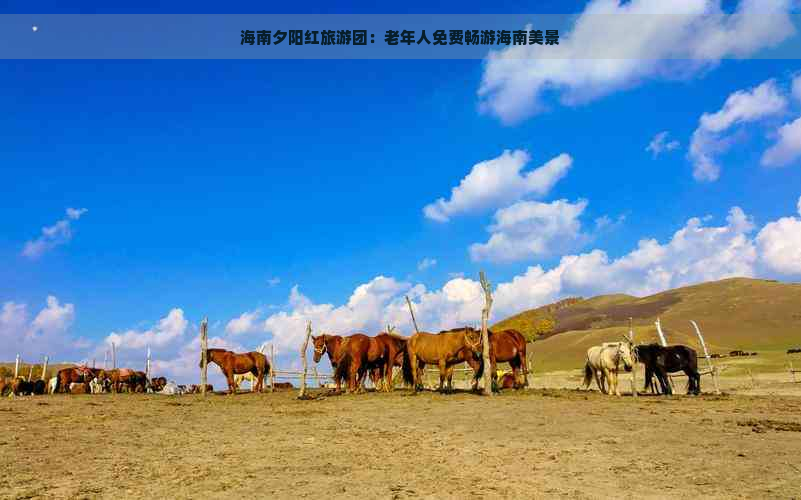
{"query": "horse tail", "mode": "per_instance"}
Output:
(408, 377)
(587, 374)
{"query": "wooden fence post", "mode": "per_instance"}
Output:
(303, 349)
(662, 339)
(113, 356)
(105, 360)
(634, 358)
(148, 374)
(16, 367)
(411, 311)
(30, 373)
(485, 312)
(204, 353)
(272, 367)
(44, 368)
(708, 359)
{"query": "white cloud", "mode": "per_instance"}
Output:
(616, 45)
(743, 106)
(54, 318)
(168, 329)
(660, 144)
(498, 182)
(246, 322)
(780, 245)
(426, 263)
(530, 229)
(53, 236)
(787, 148)
(796, 87)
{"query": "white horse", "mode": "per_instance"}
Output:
(603, 363)
(51, 385)
(241, 377)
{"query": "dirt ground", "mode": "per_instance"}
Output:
(533, 444)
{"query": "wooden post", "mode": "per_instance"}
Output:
(105, 360)
(30, 373)
(634, 358)
(708, 359)
(113, 356)
(204, 353)
(411, 311)
(16, 367)
(485, 312)
(272, 368)
(661, 334)
(303, 349)
(148, 374)
(44, 368)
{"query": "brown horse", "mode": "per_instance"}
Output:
(506, 346)
(74, 375)
(388, 353)
(330, 345)
(357, 354)
(158, 383)
(234, 363)
(444, 349)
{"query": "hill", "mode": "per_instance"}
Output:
(736, 313)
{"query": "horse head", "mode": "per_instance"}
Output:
(319, 347)
(472, 338)
(624, 352)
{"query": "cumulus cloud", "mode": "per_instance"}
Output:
(660, 144)
(498, 182)
(55, 318)
(53, 236)
(165, 331)
(743, 106)
(787, 148)
(530, 229)
(246, 322)
(426, 263)
(780, 245)
(615, 45)
(46, 333)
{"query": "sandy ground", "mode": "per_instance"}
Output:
(532, 444)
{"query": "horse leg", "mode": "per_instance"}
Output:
(229, 376)
(443, 371)
(605, 380)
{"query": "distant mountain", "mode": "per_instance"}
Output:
(736, 313)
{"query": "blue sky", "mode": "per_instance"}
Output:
(215, 187)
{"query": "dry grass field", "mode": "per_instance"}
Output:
(528, 444)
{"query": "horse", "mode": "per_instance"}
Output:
(603, 363)
(332, 346)
(660, 361)
(39, 387)
(21, 387)
(158, 383)
(506, 346)
(239, 378)
(74, 375)
(356, 354)
(385, 353)
(235, 363)
(328, 344)
(52, 385)
(444, 349)
(119, 378)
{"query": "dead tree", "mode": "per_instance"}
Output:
(485, 312)
(411, 311)
(204, 354)
(302, 394)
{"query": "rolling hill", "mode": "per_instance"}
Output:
(736, 313)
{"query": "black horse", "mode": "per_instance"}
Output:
(659, 361)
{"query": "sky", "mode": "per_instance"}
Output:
(140, 196)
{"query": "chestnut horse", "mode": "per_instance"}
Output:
(330, 345)
(444, 349)
(75, 375)
(506, 346)
(234, 363)
(357, 354)
(389, 348)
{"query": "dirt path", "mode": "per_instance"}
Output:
(543, 443)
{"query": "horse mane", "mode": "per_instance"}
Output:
(454, 330)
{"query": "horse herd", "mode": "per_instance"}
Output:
(604, 363)
(356, 356)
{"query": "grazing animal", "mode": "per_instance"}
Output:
(120, 378)
(386, 352)
(232, 363)
(96, 386)
(21, 387)
(52, 385)
(75, 375)
(78, 388)
(659, 361)
(3, 385)
(444, 349)
(328, 344)
(603, 363)
(332, 346)
(356, 353)
(39, 387)
(239, 378)
(506, 346)
(158, 383)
